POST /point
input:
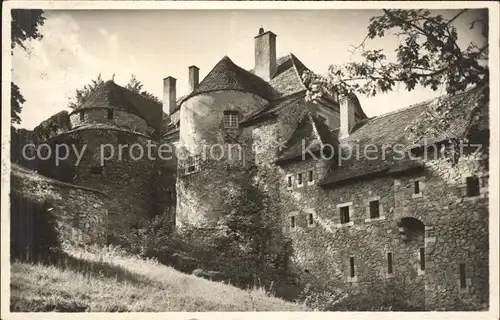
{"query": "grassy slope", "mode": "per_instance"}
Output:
(105, 282)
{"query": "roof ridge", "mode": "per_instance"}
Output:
(314, 127)
(418, 104)
(421, 103)
(293, 58)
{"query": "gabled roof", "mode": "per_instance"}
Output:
(271, 110)
(111, 95)
(288, 77)
(311, 134)
(226, 75)
(389, 129)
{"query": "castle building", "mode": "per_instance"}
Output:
(416, 226)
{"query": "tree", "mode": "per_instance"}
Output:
(24, 26)
(136, 86)
(83, 94)
(133, 85)
(428, 55)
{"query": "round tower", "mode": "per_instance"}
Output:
(211, 158)
(113, 131)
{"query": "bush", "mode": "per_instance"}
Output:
(320, 300)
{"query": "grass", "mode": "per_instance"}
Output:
(84, 281)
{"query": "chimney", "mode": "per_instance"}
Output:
(194, 78)
(265, 54)
(169, 99)
(347, 116)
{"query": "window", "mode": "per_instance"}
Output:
(389, 262)
(416, 187)
(344, 214)
(82, 116)
(230, 119)
(310, 219)
(374, 209)
(110, 114)
(191, 165)
(311, 176)
(292, 222)
(95, 170)
(299, 179)
(472, 186)
(422, 259)
(463, 280)
(351, 267)
(289, 181)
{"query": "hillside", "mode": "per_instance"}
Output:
(107, 282)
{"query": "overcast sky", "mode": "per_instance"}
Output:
(80, 44)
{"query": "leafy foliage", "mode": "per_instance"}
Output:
(16, 100)
(24, 26)
(84, 93)
(428, 55)
(136, 86)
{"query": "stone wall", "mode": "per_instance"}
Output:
(81, 213)
(120, 118)
(453, 230)
(127, 177)
(217, 159)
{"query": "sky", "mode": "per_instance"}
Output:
(77, 45)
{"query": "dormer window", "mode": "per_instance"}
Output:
(110, 114)
(231, 119)
(82, 116)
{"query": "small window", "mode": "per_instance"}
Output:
(416, 187)
(351, 267)
(311, 176)
(110, 114)
(289, 181)
(96, 170)
(310, 219)
(292, 222)
(389, 262)
(472, 186)
(299, 179)
(422, 259)
(374, 209)
(463, 280)
(230, 119)
(82, 116)
(344, 214)
(191, 165)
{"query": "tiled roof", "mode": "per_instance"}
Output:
(272, 109)
(389, 130)
(226, 75)
(288, 77)
(111, 95)
(312, 133)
